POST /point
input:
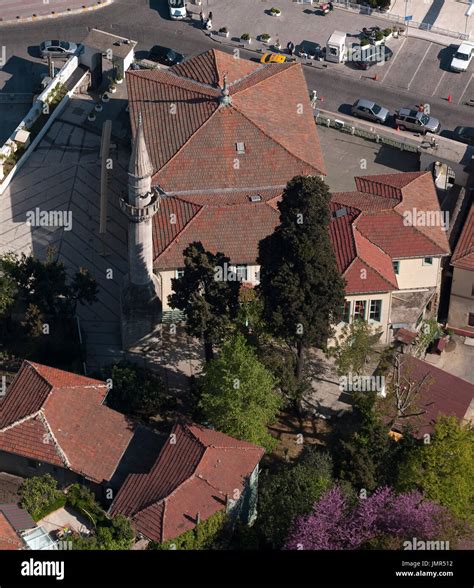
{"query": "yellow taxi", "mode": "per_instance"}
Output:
(273, 58)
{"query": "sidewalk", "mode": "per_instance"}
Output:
(12, 11)
(444, 14)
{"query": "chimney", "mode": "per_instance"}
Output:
(225, 99)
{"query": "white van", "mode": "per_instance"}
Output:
(177, 9)
(462, 57)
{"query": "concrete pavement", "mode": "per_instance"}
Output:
(15, 11)
(443, 14)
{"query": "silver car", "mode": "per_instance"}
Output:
(57, 49)
(370, 110)
(415, 120)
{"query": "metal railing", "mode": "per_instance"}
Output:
(422, 26)
(382, 136)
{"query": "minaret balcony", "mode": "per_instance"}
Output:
(140, 214)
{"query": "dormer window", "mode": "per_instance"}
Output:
(340, 212)
(240, 148)
(255, 198)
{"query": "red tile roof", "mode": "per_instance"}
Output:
(442, 393)
(195, 472)
(192, 139)
(58, 417)
(9, 540)
(234, 230)
(463, 256)
(367, 230)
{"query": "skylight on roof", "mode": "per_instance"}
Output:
(240, 147)
(255, 198)
(340, 212)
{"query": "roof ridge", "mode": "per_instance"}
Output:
(188, 140)
(207, 89)
(366, 262)
(274, 140)
(56, 444)
(185, 226)
(20, 421)
(417, 229)
(266, 67)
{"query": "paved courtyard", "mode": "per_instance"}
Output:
(359, 158)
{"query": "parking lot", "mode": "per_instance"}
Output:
(422, 68)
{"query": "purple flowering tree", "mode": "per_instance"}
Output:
(333, 525)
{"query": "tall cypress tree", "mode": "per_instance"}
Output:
(300, 283)
(208, 294)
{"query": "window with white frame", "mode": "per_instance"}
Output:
(427, 261)
(179, 273)
(396, 267)
(346, 312)
(375, 310)
(360, 307)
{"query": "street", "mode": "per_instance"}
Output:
(417, 72)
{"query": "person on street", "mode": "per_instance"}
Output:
(201, 16)
(290, 47)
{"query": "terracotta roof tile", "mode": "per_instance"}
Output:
(233, 230)
(9, 540)
(58, 417)
(191, 476)
(463, 256)
(385, 229)
(192, 140)
(442, 393)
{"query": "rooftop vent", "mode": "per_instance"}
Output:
(340, 212)
(240, 147)
(255, 198)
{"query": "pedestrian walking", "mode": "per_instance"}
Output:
(421, 108)
(290, 47)
(201, 16)
(210, 16)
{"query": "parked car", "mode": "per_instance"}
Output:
(165, 56)
(415, 120)
(57, 48)
(464, 134)
(177, 9)
(273, 58)
(370, 110)
(462, 57)
(369, 55)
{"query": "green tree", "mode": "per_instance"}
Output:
(289, 492)
(45, 285)
(443, 469)
(38, 495)
(135, 390)
(238, 396)
(206, 295)
(363, 451)
(354, 347)
(301, 286)
(8, 289)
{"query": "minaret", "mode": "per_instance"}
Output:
(140, 302)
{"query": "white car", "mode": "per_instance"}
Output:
(177, 9)
(462, 57)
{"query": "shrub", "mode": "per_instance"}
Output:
(265, 37)
(40, 496)
(203, 536)
(223, 30)
(82, 499)
(379, 36)
(364, 42)
(245, 37)
(274, 10)
(387, 32)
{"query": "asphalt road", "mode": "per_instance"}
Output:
(147, 22)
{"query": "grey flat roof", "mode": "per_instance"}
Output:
(102, 41)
